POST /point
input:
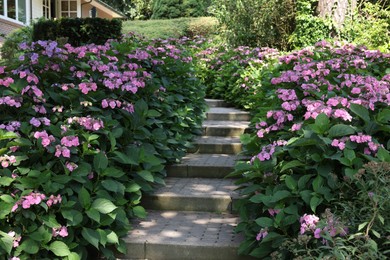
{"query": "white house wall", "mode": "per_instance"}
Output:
(37, 11)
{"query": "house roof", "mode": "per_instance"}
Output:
(107, 8)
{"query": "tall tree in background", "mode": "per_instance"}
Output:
(337, 10)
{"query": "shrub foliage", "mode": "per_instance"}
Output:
(78, 31)
(83, 132)
(320, 116)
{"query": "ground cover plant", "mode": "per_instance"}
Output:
(317, 182)
(83, 132)
(222, 69)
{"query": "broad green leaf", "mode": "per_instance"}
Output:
(291, 182)
(280, 195)
(318, 182)
(112, 238)
(322, 123)
(7, 135)
(383, 155)
(303, 180)
(261, 251)
(59, 248)
(383, 116)
(146, 175)
(7, 198)
(74, 256)
(113, 186)
(50, 221)
(153, 113)
(139, 211)
(264, 222)
(100, 162)
(124, 159)
(6, 242)
(376, 233)
(104, 206)
(360, 111)
(30, 246)
(113, 172)
(75, 217)
(341, 130)
(84, 198)
(133, 187)
(314, 202)
(349, 154)
(93, 214)
(292, 164)
(5, 181)
(91, 236)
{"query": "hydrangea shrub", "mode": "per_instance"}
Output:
(83, 132)
(322, 116)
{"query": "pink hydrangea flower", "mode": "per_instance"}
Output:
(61, 231)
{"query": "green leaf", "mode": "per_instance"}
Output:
(112, 238)
(322, 123)
(74, 256)
(133, 187)
(280, 195)
(314, 202)
(291, 182)
(104, 206)
(318, 182)
(100, 162)
(153, 113)
(93, 214)
(75, 217)
(5, 181)
(349, 154)
(292, 164)
(113, 186)
(360, 111)
(261, 251)
(341, 130)
(361, 226)
(139, 212)
(383, 116)
(84, 198)
(7, 135)
(376, 233)
(113, 172)
(303, 180)
(50, 221)
(6, 242)
(59, 248)
(30, 246)
(91, 236)
(264, 222)
(124, 159)
(146, 175)
(383, 155)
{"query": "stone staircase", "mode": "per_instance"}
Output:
(192, 216)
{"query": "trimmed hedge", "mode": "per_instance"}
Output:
(78, 31)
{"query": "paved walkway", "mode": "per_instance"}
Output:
(192, 217)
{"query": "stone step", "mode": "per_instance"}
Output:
(204, 166)
(216, 103)
(216, 144)
(193, 194)
(227, 114)
(181, 235)
(224, 128)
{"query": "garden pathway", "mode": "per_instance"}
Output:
(192, 216)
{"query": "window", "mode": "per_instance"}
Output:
(14, 9)
(46, 8)
(68, 8)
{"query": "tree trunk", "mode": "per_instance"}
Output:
(338, 10)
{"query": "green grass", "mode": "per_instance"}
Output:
(171, 28)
